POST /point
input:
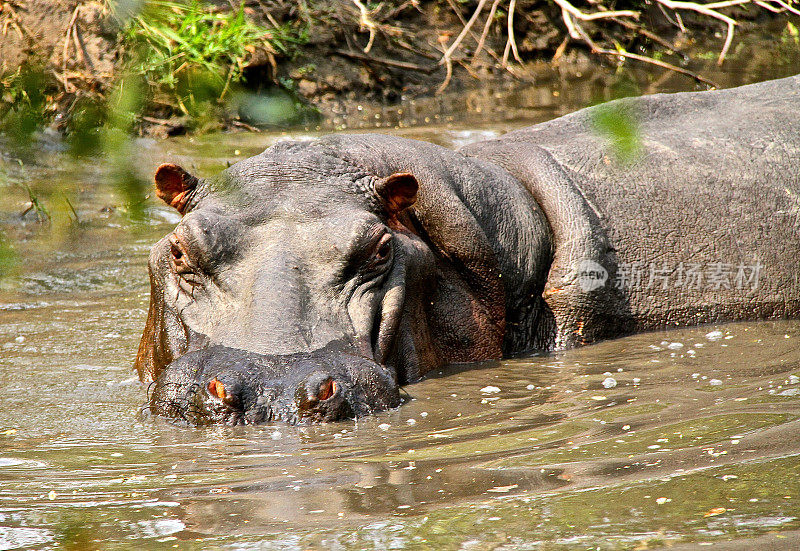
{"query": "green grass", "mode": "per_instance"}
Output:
(182, 58)
(191, 54)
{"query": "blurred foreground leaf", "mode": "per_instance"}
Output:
(619, 126)
(84, 136)
(23, 103)
(9, 260)
(275, 107)
(123, 107)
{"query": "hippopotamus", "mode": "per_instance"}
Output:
(311, 281)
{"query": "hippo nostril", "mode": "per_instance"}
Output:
(326, 390)
(217, 389)
(316, 388)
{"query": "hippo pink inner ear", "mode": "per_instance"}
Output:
(174, 184)
(398, 191)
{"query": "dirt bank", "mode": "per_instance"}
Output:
(73, 39)
(337, 56)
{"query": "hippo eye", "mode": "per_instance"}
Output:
(178, 257)
(177, 254)
(382, 252)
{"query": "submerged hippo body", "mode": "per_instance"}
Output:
(310, 281)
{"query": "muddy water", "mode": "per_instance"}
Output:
(674, 438)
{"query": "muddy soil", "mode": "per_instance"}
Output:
(75, 39)
(388, 55)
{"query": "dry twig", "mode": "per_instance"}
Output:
(650, 35)
(786, 6)
(511, 43)
(384, 61)
(477, 39)
(621, 53)
(12, 19)
(486, 27)
(65, 54)
(578, 14)
(449, 51)
(366, 22)
(710, 11)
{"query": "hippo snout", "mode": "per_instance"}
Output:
(234, 387)
(231, 397)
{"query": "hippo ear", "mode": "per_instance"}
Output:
(174, 185)
(398, 191)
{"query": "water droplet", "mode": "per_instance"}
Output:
(609, 382)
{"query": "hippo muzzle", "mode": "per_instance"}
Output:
(221, 385)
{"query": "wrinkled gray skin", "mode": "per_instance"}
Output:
(407, 256)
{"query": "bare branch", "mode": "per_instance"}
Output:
(486, 28)
(651, 35)
(449, 51)
(573, 32)
(621, 53)
(786, 6)
(725, 4)
(511, 40)
(365, 22)
(65, 53)
(388, 62)
(658, 63)
(476, 38)
(448, 76)
(767, 7)
(705, 10)
(578, 14)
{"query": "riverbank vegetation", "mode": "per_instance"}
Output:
(201, 66)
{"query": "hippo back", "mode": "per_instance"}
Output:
(701, 226)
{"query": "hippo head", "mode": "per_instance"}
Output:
(308, 282)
